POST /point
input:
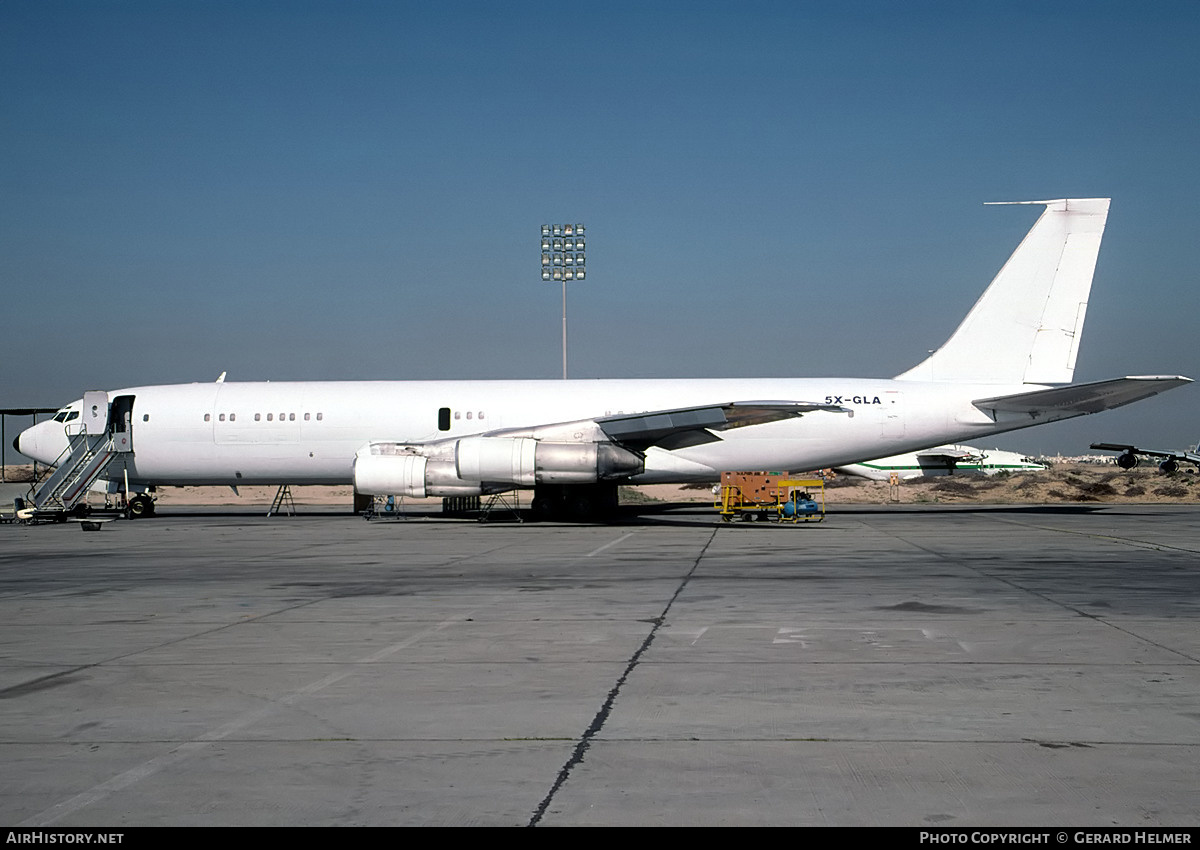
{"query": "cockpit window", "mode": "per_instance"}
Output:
(66, 416)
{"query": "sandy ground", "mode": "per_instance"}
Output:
(1062, 484)
(1074, 483)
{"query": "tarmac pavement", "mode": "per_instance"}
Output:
(915, 666)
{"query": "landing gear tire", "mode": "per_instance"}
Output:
(581, 509)
(542, 509)
(141, 506)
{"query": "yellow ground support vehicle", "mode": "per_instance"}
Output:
(771, 497)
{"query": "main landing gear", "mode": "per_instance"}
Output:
(574, 502)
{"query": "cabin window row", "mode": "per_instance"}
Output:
(444, 417)
(258, 417)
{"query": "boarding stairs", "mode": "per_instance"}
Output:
(84, 460)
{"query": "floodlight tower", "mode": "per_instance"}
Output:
(564, 258)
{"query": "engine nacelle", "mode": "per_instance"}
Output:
(409, 475)
(524, 461)
(509, 459)
(473, 466)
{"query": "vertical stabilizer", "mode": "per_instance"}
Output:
(1026, 326)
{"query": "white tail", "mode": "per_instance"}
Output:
(1026, 326)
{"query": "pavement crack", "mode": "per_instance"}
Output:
(585, 740)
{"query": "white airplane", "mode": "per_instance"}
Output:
(941, 460)
(1170, 459)
(1007, 366)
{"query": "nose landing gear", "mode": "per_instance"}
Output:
(140, 506)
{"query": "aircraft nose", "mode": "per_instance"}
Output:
(26, 443)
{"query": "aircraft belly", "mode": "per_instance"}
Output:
(233, 463)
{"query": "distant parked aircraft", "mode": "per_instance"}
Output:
(1129, 458)
(942, 460)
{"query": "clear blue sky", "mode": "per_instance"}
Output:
(326, 190)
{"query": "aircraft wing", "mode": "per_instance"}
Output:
(693, 426)
(1084, 398)
(1126, 447)
(668, 429)
(583, 451)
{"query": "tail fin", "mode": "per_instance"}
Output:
(1026, 326)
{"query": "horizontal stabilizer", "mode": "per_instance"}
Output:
(1084, 398)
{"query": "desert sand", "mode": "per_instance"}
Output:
(1069, 484)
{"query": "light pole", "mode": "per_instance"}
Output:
(564, 258)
